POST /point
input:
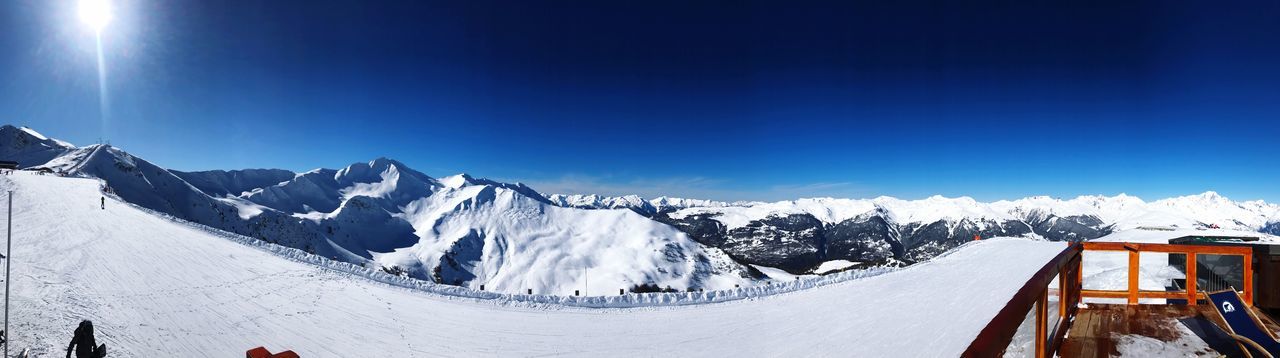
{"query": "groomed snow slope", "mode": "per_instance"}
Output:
(155, 287)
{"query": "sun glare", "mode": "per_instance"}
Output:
(95, 13)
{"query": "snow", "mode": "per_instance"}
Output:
(482, 235)
(454, 181)
(158, 287)
(41, 137)
(467, 232)
(634, 202)
(1120, 212)
(1188, 344)
(244, 209)
(778, 274)
(383, 178)
(827, 210)
(833, 265)
(832, 210)
(234, 183)
(663, 202)
(315, 190)
(28, 147)
(937, 208)
(1162, 236)
(1109, 270)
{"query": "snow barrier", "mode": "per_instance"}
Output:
(629, 300)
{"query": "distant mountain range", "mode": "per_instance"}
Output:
(635, 203)
(468, 231)
(800, 234)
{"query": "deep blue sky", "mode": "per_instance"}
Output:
(725, 100)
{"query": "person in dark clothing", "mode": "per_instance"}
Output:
(104, 203)
(83, 344)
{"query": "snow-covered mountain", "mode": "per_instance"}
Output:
(28, 147)
(234, 182)
(468, 231)
(635, 203)
(156, 287)
(801, 234)
(457, 230)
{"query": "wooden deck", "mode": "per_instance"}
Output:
(1093, 332)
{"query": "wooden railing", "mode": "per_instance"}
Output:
(993, 339)
(1066, 266)
(1133, 293)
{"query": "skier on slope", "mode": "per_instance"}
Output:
(104, 203)
(83, 343)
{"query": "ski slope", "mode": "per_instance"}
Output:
(156, 287)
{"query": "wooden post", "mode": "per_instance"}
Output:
(1248, 279)
(1192, 300)
(1062, 295)
(1133, 276)
(1080, 273)
(1042, 319)
(1079, 284)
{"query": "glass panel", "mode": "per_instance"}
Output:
(1053, 317)
(1156, 273)
(1105, 270)
(1218, 272)
(1178, 275)
(1023, 343)
(1160, 272)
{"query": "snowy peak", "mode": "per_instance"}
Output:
(324, 190)
(938, 208)
(456, 181)
(386, 179)
(632, 202)
(89, 160)
(1208, 198)
(461, 180)
(377, 170)
(313, 191)
(1123, 211)
(28, 147)
(493, 235)
(8, 130)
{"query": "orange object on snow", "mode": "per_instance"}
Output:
(262, 352)
(977, 237)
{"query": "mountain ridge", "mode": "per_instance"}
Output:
(381, 214)
(461, 229)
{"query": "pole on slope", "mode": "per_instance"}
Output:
(8, 252)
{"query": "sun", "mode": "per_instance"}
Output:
(95, 14)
